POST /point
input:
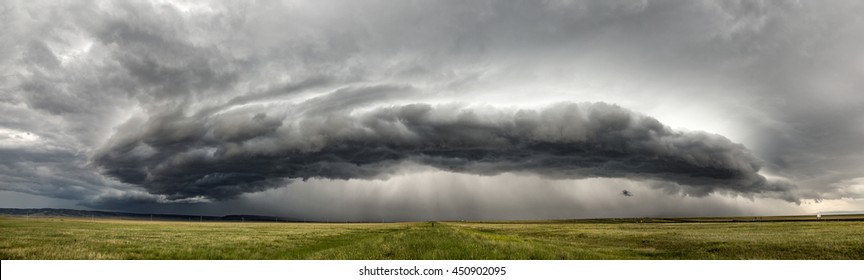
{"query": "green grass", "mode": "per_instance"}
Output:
(61, 238)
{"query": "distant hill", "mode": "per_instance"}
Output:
(51, 212)
(842, 213)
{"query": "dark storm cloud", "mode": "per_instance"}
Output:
(51, 173)
(228, 98)
(182, 157)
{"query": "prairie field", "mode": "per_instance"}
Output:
(703, 238)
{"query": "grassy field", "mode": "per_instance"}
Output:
(64, 238)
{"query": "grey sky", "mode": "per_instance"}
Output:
(433, 109)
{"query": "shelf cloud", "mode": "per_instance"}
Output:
(223, 156)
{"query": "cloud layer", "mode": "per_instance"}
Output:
(113, 103)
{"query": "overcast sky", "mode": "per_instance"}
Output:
(418, 110)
